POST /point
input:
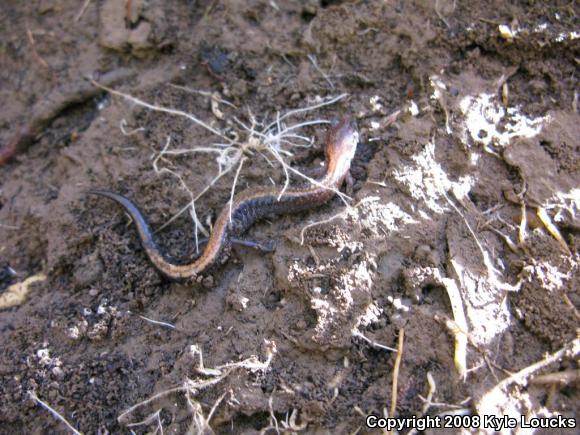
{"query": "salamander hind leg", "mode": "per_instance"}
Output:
(267, 246)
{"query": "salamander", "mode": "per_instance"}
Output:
(252, 205)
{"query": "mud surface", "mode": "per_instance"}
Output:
(473, 191)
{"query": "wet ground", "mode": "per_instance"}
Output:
(459, 245)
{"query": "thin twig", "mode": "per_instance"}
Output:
(55, 413)
(215, 405)
(552, 229)
(83, 9)
(162, 109)
(287, 168)
(440, 15)
(234, 185)
(317, 68)
(149, 419)
(197, 224)
(565, 377)
(492, 272)
(356, 333)
(306, 109)
(458, 326)
(38, 58)
(204, 93)
(123, 127)
(188, 385)
(396, 372)
(489, 400)
(430, 393)
(157, 322)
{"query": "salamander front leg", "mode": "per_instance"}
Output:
(267, 246)
(315, 172)
(349, 181)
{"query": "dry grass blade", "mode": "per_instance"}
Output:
(191, 387)
(396, 372)
(50, 409)
(488, 402)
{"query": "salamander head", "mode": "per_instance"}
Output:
(341, 145)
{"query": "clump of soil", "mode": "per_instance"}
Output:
(474, 187)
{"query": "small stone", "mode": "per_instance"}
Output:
(208, 281)
(237, 302)
(300, 325)
(139, 39)
(99, 331)
(58, 373)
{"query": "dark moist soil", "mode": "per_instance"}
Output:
(496, 127)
